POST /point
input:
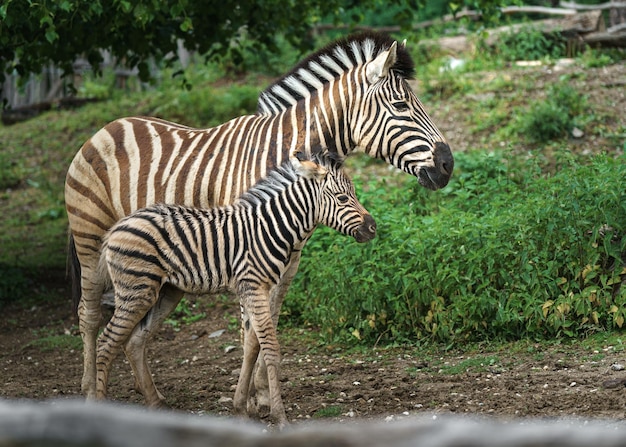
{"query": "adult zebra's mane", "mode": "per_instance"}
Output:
(329, 63)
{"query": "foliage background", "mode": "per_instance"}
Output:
(138, 33)
(527, 241)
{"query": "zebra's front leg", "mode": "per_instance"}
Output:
(260, 335)
(258, 394)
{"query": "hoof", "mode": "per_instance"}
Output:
(257, 410)
(159, 405)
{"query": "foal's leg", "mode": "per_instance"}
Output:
(251, 349)
(135, 348)
(129, 311)
(258, 395)
(257, 306)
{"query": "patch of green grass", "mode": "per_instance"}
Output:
(473, 364)
(597, 357)
(62, 342)
(329, 411)
(604, 340)
(186, 312)
(594, 58)
(11, 171)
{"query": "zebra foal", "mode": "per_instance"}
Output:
(159, 252)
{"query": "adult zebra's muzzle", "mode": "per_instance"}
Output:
(367, 230)
(438, 175)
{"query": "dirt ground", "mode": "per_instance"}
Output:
(197, 369)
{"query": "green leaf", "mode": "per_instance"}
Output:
(186, 25)
(65, 5)
(51, 35)
(3, 10)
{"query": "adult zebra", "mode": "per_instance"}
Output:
(350, 96)
(244, 248)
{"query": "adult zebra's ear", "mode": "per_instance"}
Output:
(379, 67)
(308, 168)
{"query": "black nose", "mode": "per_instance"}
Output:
(367, 230)
(369, 223)
(444, 162)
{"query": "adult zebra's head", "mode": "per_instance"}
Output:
(393, 124)
(338, 205)
(352, 95)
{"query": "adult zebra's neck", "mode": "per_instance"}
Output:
(322, 120)
(284, 207)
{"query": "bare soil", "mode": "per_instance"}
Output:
(195, 372)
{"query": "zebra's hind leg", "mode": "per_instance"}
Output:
(258, 394)
(257, 306)
(251, 349)
(129, 311)
(89, 318)
(135, 348)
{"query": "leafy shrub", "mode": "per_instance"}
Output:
(501, 254)
(596, 58)
(210, 107)
(528, 43)
(554, 117)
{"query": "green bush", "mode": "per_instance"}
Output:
(502, 253)
(528, 43)
(207, 107)
(554, 117)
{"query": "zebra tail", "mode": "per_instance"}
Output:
(73, 273)
(103, 270)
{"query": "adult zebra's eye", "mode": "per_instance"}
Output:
(343, 198)
(400, 106)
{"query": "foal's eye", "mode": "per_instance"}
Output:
(343, 198)
(400, 106)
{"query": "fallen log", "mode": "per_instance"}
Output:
(582, 28)
(599, 6)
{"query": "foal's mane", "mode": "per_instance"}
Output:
(334, 59)
(280, 178)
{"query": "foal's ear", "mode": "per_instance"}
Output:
(309, 168)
